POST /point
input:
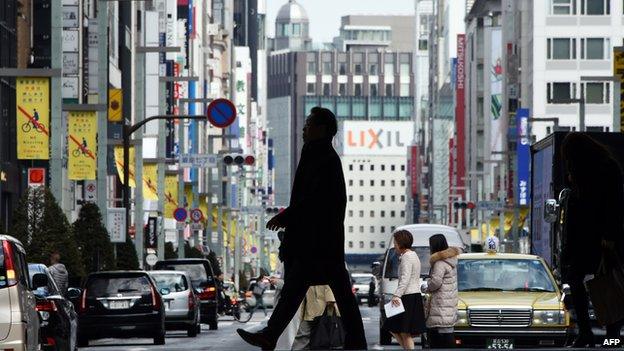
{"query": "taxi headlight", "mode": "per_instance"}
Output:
(548, 317)
(462, 318)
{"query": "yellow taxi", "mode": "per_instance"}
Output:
(508, 301)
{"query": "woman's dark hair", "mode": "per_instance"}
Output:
(437, 243)
(324, 117)
(404, 239)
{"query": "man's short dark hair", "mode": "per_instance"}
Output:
(404, 239)
(324, 117)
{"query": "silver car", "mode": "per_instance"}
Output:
(181, 302)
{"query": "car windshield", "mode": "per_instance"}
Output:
(503, 275)
(392, 265)
(173, 282)
(113, 286)
(196, 272)
(361, 280)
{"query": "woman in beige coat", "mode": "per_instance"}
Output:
(441, 308)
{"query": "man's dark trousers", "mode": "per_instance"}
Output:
(296, 285)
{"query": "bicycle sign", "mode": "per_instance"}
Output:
(197, 215)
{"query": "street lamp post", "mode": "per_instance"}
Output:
(127, 132)
(501, 194)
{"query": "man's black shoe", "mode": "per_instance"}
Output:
(257, 339)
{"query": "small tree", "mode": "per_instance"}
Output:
(127, 255)
(93, 240)
(40, 224)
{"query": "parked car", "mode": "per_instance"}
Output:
(58, 319)
(181, 302)
(19, 321)
(361, 285)
(120, 304)
(203, 281)
(387, 271)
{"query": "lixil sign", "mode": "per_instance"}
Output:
(375, 138)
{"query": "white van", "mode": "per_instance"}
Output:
(387, 270)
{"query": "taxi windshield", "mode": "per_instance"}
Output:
(503, 275)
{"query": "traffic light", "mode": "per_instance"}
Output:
(462, 205)
(274, 210)
(238, 160)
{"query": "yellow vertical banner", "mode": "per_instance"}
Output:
(618, 70)
(115, 99)
(171, 195)
(203, 206)
(81, 144)
(119, 164)
(188, 197)
(32, 100)
(150, 180)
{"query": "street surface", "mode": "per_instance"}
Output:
(225, 338)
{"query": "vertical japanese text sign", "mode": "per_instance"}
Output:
(33, 118)
(81, 144)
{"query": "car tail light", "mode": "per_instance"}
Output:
(191, 300)
(50, 341)
(209, 292)
(155, 299)
(46, 306)
(83, 302)
(8, 263)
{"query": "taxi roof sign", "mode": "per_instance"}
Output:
(492, 244)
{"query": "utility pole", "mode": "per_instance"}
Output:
(57, 133)
(102, 124)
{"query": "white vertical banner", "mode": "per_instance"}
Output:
(496, 90)
(116, 225)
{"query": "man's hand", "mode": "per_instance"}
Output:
(396, 301)
(275, 223)
(273, 280)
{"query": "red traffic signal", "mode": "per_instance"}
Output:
(239, 160)
(274, 210)
(249, 160)
(36, 176)
(463, 205)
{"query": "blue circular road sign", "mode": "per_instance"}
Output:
(180, 214)
(221, 113)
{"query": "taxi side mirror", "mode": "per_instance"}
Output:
(565, 288)
(551, 210)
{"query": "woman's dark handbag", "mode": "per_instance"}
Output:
(327, 333)
(606, 289)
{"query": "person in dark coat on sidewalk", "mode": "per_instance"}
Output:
(313, 245)
(595, 222)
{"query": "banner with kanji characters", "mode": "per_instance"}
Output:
(171, 195)
(119, 164)
(81, 145)
(32, 100)
(150, 181)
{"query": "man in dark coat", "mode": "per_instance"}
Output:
(313, 244)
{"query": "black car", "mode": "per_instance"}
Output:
(58, 325)
(120, 304)
(203, 281)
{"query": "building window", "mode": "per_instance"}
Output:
(311, 89)
(361, 230)
(296, 29)
(562, 7)
(392, 214)
(404, 89)
(350, 182)
(372, 198)
(361, 198)
(423, 44)
(361, 182)
(372, 183)
(342, 89)
(383, 197)
(357, 89)
(342, 68)
(327, 67)
(312, 67)
(350, 242)
(404, 69)
(561, 49)
(556, 92)
(361, 244)
(373, 90)
(351, 167)
(357, 69)
(383, 183)
(383, 167)
(372, 229)
(392, 228)
(595, 7)
(402, 198)
(372, 214)
(373, 68)
(382, 244)
(372, 244)
(382, 214)
(392, 168)
(350, 213)
(402, 214)
(326, 89)
(382, 229)
(389, 89)
(372, 167)
(595, 49)
(596, 93)
(402, 167)
(361, 214)
(389, 64)
(402, 182)
(392, 198)
(358, 58)
(350, 198)
(361, 167)
(393, 183)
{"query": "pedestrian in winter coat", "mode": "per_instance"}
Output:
(59, 272)
(313, 245)
(595, 222)
(404, 326)
(318, 298)
(442, 287)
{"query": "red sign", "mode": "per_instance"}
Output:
(36, 176)
(460, 115)
(415, 169)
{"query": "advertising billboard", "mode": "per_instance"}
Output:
(82, 145)
(524, 157)
(374, 138)
(33, 118)
(496, 90)
(460, 114)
